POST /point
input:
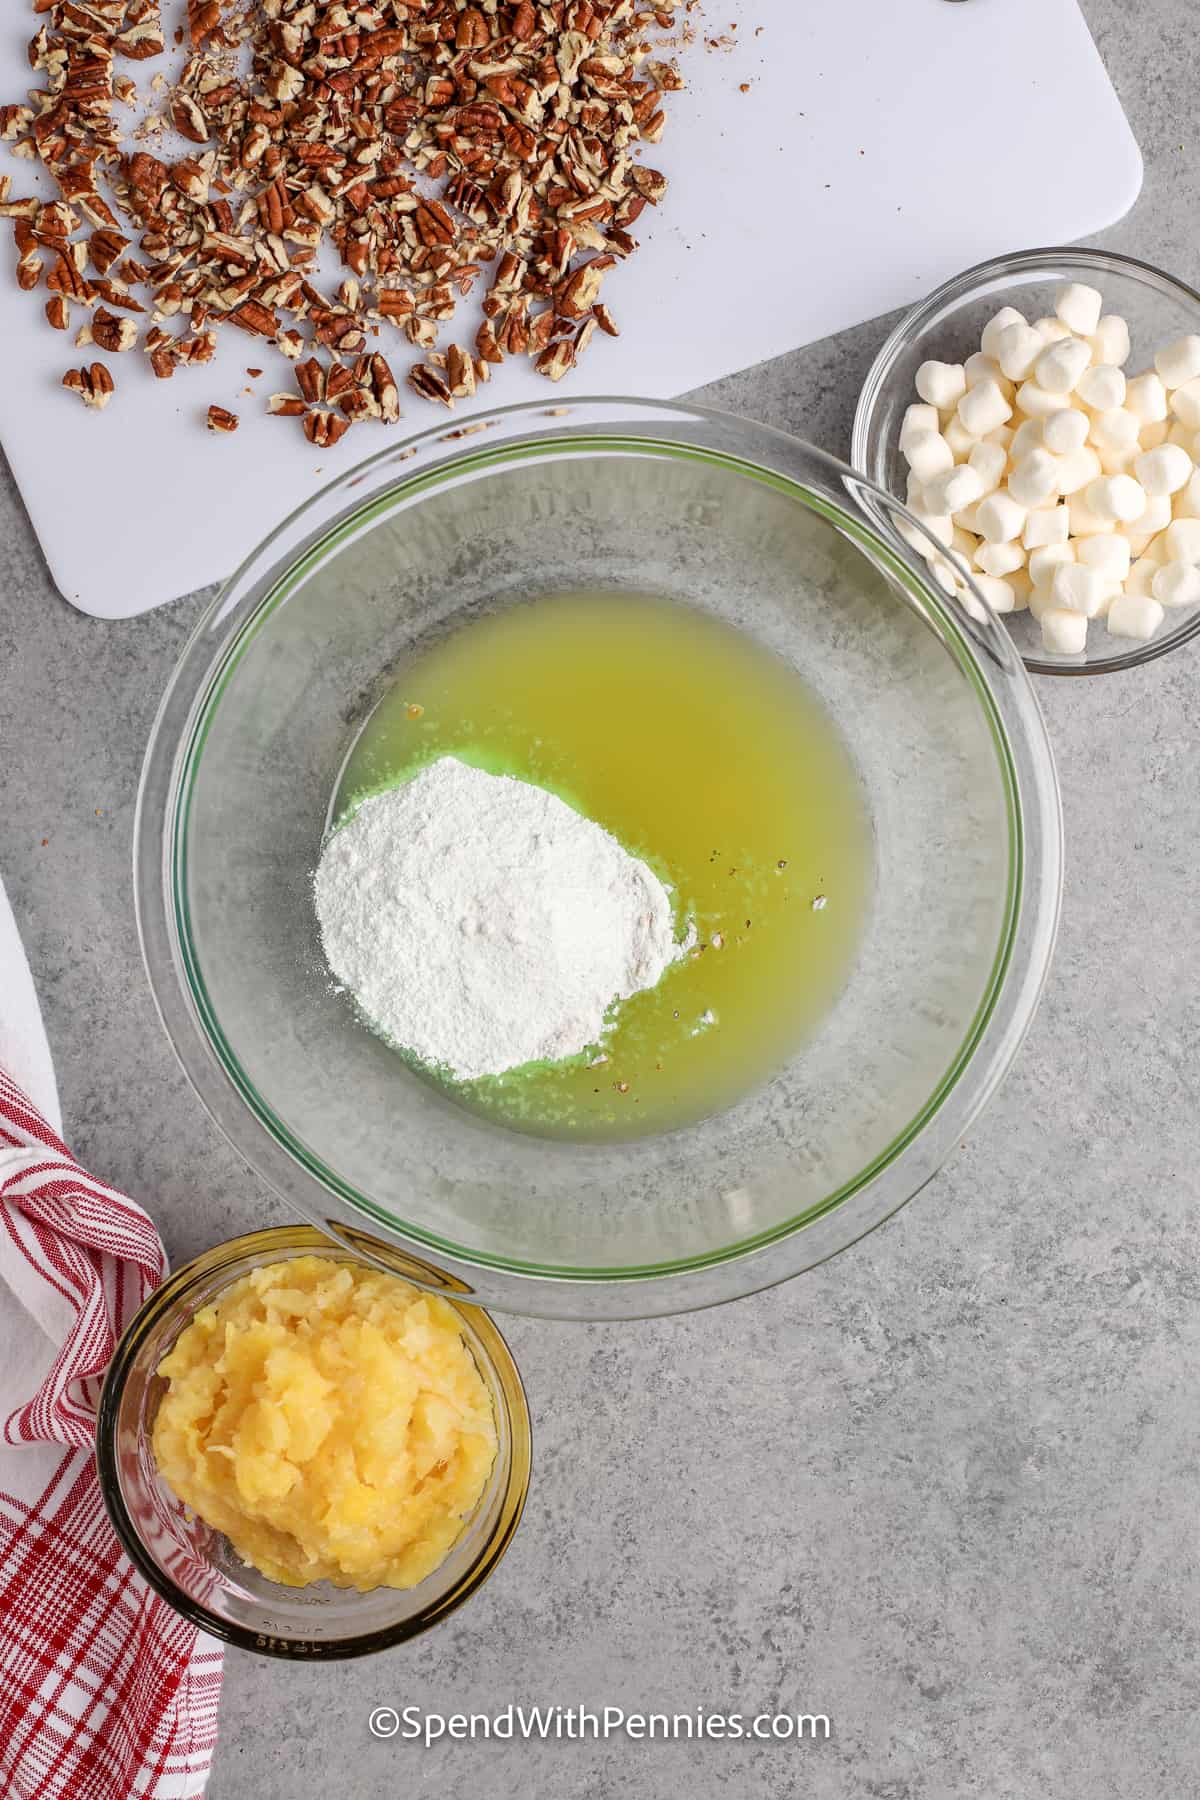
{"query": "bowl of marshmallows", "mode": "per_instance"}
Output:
(1040, 418)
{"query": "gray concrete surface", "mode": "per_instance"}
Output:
(943, 1490)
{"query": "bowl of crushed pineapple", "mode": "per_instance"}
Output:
(312, 1448)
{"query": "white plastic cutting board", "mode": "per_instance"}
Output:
(882, 145)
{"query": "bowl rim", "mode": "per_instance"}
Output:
(512, 1284)
(961, 287)
(511, 1473)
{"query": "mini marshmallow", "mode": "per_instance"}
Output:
(1179, 362)
(1041, 599)
(1156, 433)
(1037, 402)
(1077, 469)
(1008, 315)
(960, 441)
(941, 384)
(1185, 404)
(998, 594)
(1051, 331)
(1146, 397)
(1166, 470)
(1034, 479)
(1102, 387)
(1079, 589)
(1176, 584)
(1116, 497)
(1046, 525)
(1187, 501)
(983, 408)
(1142, 576)
(1029, 435)
(963, 543)
(979, 368)
(1156, 518)
(1109, 556)
(918, 417)
(1021, 587)
(1078, 306)
(1115, 429)
(1118, 462)
(1003, 435)
(964, 520)
(1064, 633)
(1109, 342)
(1084, 522)
(1048, 557)
(940, 529)
(1134, 616)
(1017, 349)
(1183, 541)
(953, 489)
(1062, 365)
(946, 576)
(1065, 431)
(1000, 559)
(927, 453)
(999, 518)
(989, 462)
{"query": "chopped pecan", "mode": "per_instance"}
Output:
(460, 372)
(430, 384)
(422, 143)
(93, 384)
(324, 428)
(220, 419)
(111, 333)
(104, 248)
(383, 386)
(554, 362)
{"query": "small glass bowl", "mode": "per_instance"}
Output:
(195, 1568)
(948, 327)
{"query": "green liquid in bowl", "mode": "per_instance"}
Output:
(707, 756)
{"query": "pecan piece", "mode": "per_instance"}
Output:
(256, 318)
(325, 428)
(383, 386)
(93, 384)
(105, 247)
(58, 313)
(430, 384)
(460, 372)
(220, 419)
(554, 362)
(112, 333)
(187, 116)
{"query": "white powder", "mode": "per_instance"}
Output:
(480, 923)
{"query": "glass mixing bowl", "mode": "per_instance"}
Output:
(948, 327)
(749, 524)
(196, 1569)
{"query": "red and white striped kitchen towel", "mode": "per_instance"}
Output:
(105, 1692)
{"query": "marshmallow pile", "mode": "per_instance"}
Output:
(1067, 487)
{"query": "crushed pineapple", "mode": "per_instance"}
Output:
(330, 1421)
